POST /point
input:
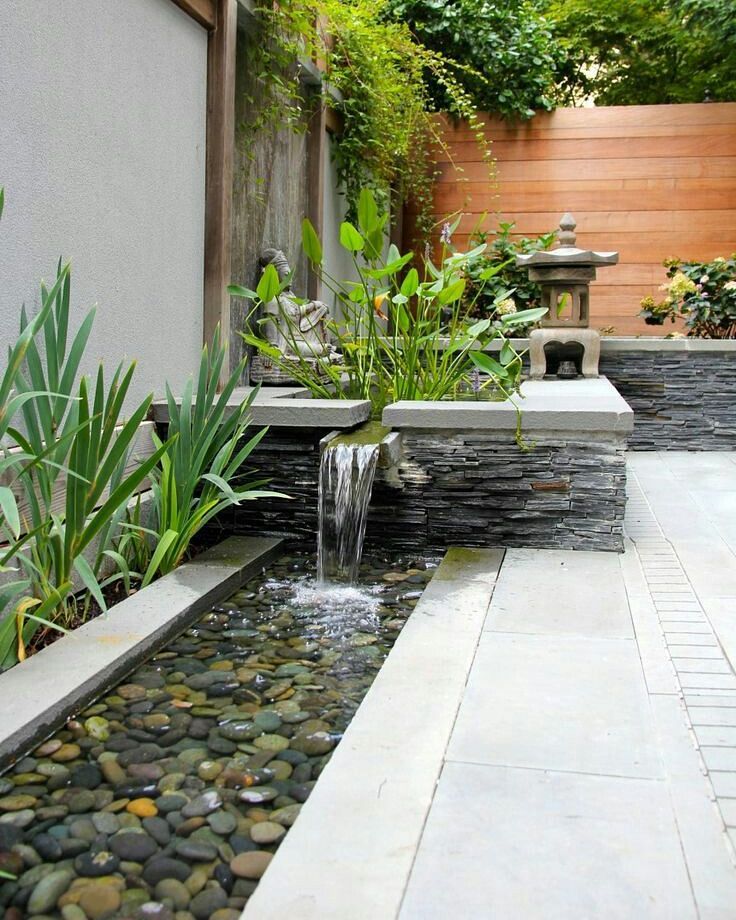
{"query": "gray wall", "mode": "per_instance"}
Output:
(102, 155)
(337, 261)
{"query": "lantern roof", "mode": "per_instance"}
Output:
(566, 252)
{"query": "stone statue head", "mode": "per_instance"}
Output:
(276, 258)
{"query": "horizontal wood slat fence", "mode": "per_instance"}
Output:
(649, 181)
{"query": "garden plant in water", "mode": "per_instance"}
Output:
(404, 334)
(200, 474)
(71, 476)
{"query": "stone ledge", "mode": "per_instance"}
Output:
(351, 851)
(41, 693)
(290, 407)
(546, 405)
(614, 343)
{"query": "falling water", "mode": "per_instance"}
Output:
(345, 483)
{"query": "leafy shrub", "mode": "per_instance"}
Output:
(509, 287)
(502, 54)
(200, 473)
(703, 294)
(77, 441)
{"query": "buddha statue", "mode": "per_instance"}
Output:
(297, 328)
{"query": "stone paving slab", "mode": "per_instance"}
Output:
(508, 844)
(573, 704)
(527, 599)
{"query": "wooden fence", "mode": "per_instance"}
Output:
(649, 181)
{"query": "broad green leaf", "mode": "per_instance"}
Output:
(523, 317)
(269, 285)
(350, 238)
(410, 284)
(507, 354)
(89, 581)
(310, 242)
(238, 290)
(9, 510)
(487, 364)
(367, 211)
(478, 328)
(265, 347)
(452, 292)
(402, 318)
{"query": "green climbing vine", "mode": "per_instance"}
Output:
(376, 76)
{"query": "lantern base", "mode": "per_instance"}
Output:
(549, 347)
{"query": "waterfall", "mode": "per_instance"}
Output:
(345, 484)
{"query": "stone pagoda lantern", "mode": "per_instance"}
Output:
(565, 346)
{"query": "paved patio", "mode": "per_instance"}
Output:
(588, 768)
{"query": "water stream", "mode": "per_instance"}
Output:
(345, 484)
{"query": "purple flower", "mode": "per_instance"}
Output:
(475, 380)
(446, 234)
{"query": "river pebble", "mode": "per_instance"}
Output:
(167, 798)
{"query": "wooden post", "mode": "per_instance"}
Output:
(219, 169)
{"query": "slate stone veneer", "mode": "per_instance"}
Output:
(466, 488)
(682, 400)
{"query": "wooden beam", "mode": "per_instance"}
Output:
(316, 152)
(203, 11)
(219, 169)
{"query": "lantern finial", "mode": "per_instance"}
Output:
(566, 234)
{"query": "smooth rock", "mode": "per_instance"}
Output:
(48, 891)
(203, 905)
(163, 867)
(133, 847)
(96, 865)
(266, 832)
(174, 890)
(99, 901)
(251, 865)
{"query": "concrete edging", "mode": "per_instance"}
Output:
(592, 405)
(39, 694)
(351, 850)
(290, 407)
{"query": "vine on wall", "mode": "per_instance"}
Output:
(376, 77)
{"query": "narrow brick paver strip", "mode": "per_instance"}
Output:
(701, 665)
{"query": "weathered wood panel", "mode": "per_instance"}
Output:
(652, 182)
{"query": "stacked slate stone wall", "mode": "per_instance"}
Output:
(479, 489)
(467, 488)
(682, 400)
(289, 459)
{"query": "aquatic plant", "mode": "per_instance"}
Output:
(402, 335)
(75, 443)
(199, 472)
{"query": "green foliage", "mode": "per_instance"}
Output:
(502, 53)
(200, 474)
(620, 52)
(409, 337)
(703, 294)
(494, 278)
(376, 77)
(84, 443)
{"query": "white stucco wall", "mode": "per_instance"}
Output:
(102, 155)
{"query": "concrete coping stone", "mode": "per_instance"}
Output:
(351, 851)
(290, 407)
(612, 344)
(592, 405)
(39, 694)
